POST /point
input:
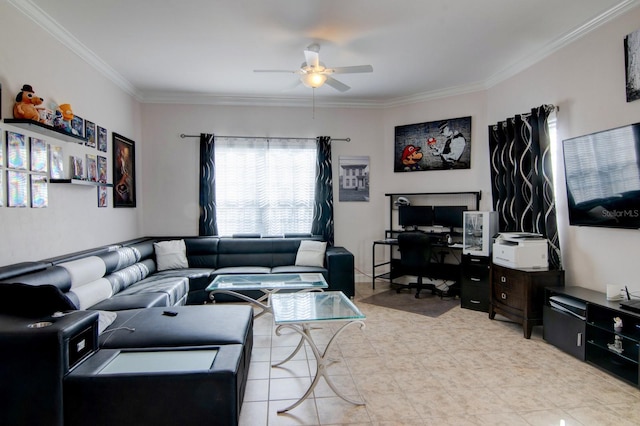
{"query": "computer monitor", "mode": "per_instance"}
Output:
(448, 216)
(411, 216)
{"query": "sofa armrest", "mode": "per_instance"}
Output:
(340, 265)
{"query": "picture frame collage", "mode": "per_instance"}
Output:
(92, 167)
(23, 171)
(28, 164)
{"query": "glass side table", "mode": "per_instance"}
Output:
(298, 312)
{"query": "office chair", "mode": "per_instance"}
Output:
(415, 258)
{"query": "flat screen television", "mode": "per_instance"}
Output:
(448, 216)
(411, 216)
(603, 178)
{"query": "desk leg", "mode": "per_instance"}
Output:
(373, 267)
(322, 361)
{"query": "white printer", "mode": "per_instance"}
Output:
(521, 250)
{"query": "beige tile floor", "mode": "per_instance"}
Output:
(458, 369)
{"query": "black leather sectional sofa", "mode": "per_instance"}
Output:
(126, 275)
(51, 363)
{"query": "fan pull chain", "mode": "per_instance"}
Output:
(313, 100)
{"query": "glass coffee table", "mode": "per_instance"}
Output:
(268, 284)
(298, 312)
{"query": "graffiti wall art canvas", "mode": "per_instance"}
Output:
(434, 145)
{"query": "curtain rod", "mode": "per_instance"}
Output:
(182, 135)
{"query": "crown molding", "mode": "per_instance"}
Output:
(300, 101)
(63, 36)
(435, 94)
(58, 32)
(561, 42)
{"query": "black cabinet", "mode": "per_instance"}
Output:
(613, 349)
(474, 285)
(562, 328)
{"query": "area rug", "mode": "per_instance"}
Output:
(428, 304)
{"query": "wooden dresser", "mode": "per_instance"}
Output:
(519, 294)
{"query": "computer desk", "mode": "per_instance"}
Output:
(451, 270)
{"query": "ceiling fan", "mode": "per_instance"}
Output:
(314, 73)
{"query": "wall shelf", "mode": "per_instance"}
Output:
(45, 130)
(80, 182)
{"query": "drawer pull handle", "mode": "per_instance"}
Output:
(503, 279)
(475, 279)
(477, 302)
(504, 296)
(475, 260)
(579, 340)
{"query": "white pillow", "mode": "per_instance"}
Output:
(171, 255)
(311, 253)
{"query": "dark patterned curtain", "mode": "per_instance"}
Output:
(207, 223)
(323, 206)
(521, 177)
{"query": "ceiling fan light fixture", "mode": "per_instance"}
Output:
(313, 80)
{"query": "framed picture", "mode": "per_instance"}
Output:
(77, 126)
(632, 65)
(435, 145)
(39, 192)
(16, 151)
(354, 178)
(77, 167)
(124, 173)
(92, 168)
(56, 163)
(90, 133)
(102, 139)
(18, 190)
(38, 155)
(102, 196)
(102, 169)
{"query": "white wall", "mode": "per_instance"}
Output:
(585, 78)
(72, 222)
(587, 81)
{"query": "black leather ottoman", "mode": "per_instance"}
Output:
(163, 386)
(191, 326)
(194, 325)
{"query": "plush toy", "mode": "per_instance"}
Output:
(26, 102)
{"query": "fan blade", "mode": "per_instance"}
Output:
(312, 58)
(289, 71)
(337, 84)
(347, 70)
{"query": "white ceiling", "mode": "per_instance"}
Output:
(172, 50)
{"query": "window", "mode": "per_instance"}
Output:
(264, 187)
